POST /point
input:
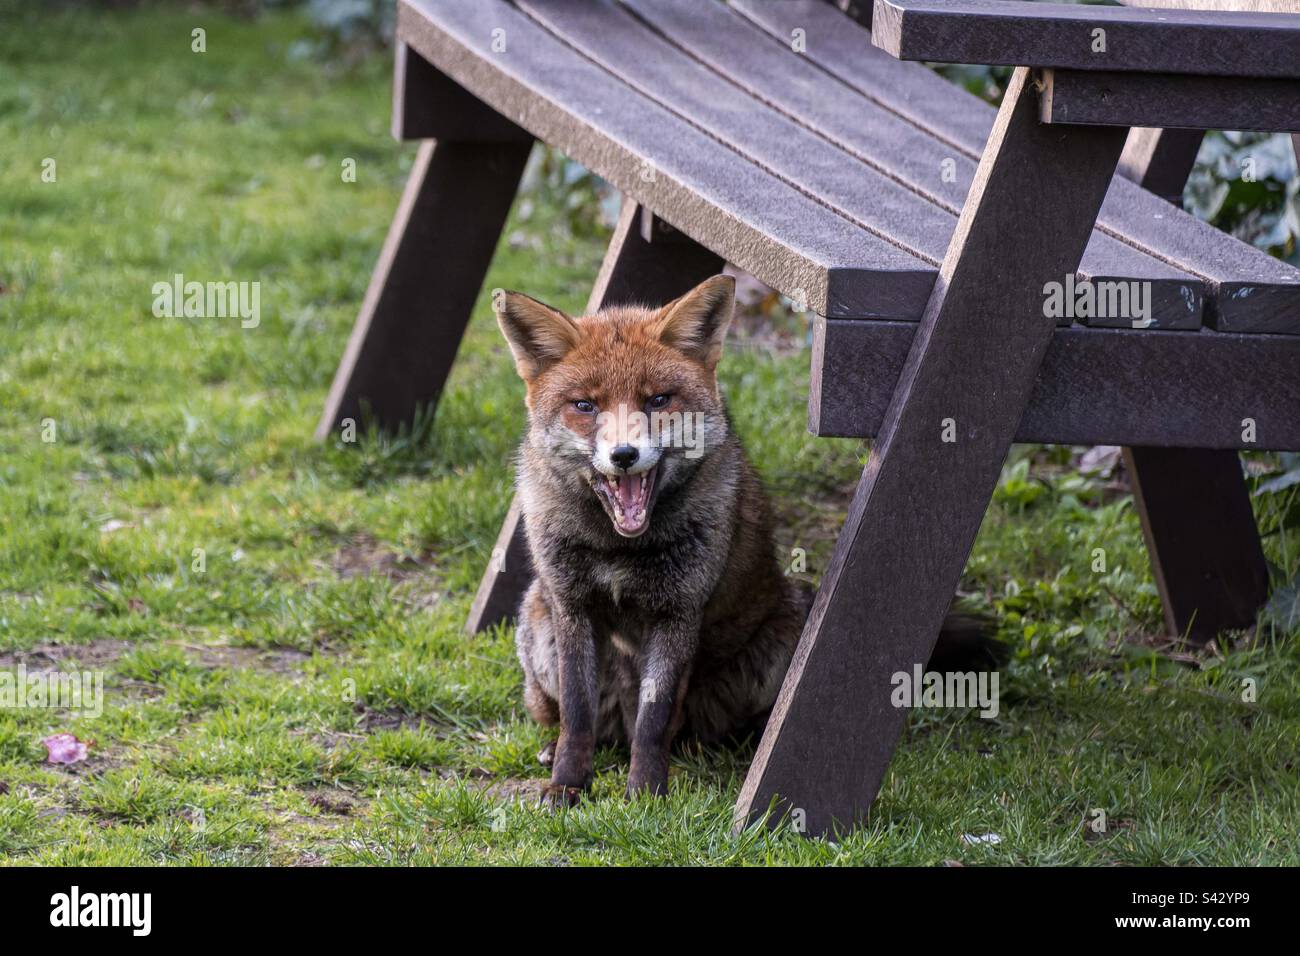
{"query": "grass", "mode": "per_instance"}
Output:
(278, 622)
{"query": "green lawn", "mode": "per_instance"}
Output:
(308, 696)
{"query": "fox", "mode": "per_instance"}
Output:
(659, 610)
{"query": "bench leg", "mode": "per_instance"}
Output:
(932, 472)
(423, 288)
(1197, 520)
(1200, 531)
(647, 261)
(507, 576)
(1160, 160)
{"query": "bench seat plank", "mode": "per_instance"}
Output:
(604, 32)
(732, 48)
(1113, 387)
(850, 219)
(1021, 33)
(696, 184)
(1247, 289)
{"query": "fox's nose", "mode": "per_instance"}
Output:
(624, 456)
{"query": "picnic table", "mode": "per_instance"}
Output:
(922, 228)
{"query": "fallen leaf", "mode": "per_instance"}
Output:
(66, 748)
(1100, 460)
(1283, 608)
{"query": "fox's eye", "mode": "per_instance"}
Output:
(584, 406)
(659, 401)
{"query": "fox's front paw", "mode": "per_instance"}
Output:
(556, 796)
(653, 782)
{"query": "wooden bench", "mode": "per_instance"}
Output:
(920, 226)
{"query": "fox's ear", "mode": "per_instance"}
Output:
(697, 322)
(538, 335)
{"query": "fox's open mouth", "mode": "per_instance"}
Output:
(628, 499)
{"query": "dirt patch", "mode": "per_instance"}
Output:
(279, 660)
(371, 720)
(289, 838)
(334, 802)
(417, 585)
(99, 655)
(516, 789)
(364, 556)
(135, 690)
(419, 592)
(100, 759)
(92, 656)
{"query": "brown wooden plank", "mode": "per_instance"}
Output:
(428, 105)
(973, 360)
(1201, 534)
(908, 89)
(414, 314)
(649, 269)
(1099, 98)
(740, 52)
(605, 33)
(1111, 387)
(506, 578)
(1249, 290)
(1016, 32)
(654, 229)
(1193, 503)
(635, 269)
(689, 179)
(1160, 160)
(1247, 287)
(728, 70)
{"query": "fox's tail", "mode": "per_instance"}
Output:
(967, 642)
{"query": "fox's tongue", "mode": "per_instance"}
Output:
(631, 494)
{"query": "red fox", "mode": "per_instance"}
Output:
(659, 609)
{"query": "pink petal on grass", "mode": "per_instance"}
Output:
(65, 748)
